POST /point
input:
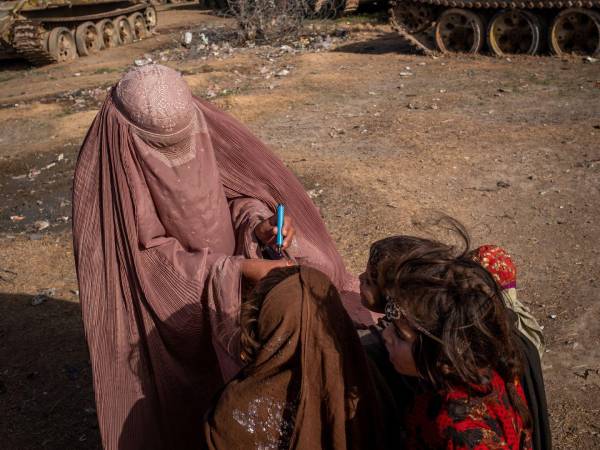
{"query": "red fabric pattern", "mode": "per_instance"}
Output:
(498, 262)
(473, 418)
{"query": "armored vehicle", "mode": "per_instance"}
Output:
(505, 26)
(49, 31)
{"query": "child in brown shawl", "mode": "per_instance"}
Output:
(307, 384)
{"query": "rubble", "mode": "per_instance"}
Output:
(42, 296)
(40, 225)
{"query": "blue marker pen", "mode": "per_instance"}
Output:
(280, 215)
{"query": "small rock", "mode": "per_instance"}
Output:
(503, 184)
(552, 316)
(41, 225)
(589, 59)
(203, 39)
(286, 48)
(38, 300)
(406, 74)
(60, 157)
(74, 292)
(17, 218)
(49, 166)
(142, 62)
(187, 38)
(77, 74)
(282, 73)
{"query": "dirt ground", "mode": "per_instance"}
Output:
(380, 138)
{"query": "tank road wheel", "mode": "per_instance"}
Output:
(151, 18)
(124, 29)
(414, 17)
(88, 39)
(138, 26)
(61, 44)
(514, 31)
(109, 34)
(459, 31)
(575, 31)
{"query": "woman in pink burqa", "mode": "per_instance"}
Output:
(173, 201)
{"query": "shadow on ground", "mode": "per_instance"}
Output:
(46, 394)
(384, 43)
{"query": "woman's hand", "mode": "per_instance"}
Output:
(256, 269)
(266, 231)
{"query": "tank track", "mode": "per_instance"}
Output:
(415, 40)
(28, 41)
(512, 4)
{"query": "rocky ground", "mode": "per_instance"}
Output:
(380, 138)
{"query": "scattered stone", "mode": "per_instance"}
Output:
(17, 218)
(60, 157)
(51, 165)
(42, 296)
(282, 73)
(314, 193)
(589, 59)
(187, 38)
(503, 184)
(406, 74)
(41, 225)
(19, 177)
(143, 61)
(552, 316)
(75, 292)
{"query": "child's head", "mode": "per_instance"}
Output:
(447, 320)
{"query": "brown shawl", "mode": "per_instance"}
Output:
(167, 191)
(309, 386)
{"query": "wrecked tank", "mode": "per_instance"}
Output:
(50, 31)
(505, 27)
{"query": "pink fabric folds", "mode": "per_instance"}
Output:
(166, 194)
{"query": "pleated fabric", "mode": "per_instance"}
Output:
(167, 191)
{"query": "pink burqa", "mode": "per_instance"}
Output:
(167, 192)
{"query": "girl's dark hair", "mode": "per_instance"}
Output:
(250, 311)
(456, 309)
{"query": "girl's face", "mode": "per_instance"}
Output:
(399, 338)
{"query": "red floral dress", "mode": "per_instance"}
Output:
(475, 418)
